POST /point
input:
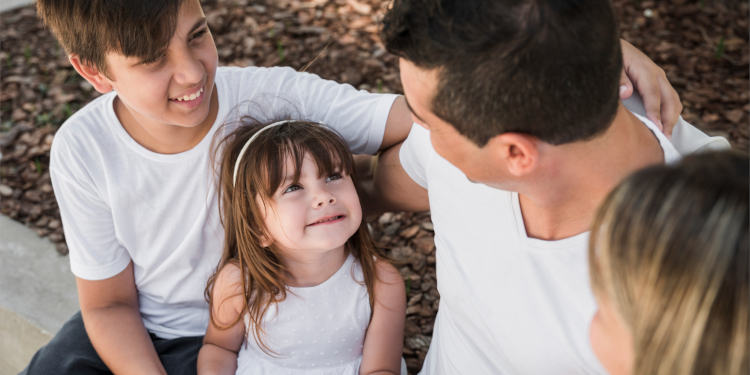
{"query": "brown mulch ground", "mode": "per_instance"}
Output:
(703, 46)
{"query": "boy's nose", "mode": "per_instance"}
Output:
(189, 70)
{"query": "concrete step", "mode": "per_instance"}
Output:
(37, 294)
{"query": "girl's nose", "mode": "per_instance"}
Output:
(323, 199)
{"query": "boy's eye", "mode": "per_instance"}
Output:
(153, 60)
(199, 33)
(292, 188)
(333, 177)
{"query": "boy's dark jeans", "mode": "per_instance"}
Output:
(71, 352)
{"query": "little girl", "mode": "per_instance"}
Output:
(300, 288)
(670, 269)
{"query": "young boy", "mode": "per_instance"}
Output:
(133, 178)
(132, 174)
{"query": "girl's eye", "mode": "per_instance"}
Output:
(334, 177)
(292, 188)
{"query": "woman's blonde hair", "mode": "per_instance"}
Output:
(260, 173)
(669, 249)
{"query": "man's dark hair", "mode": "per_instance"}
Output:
(547, 68)
(92, 28)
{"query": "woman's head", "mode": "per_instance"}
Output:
(670, 268)
(286, 188)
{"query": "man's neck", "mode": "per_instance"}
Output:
(562, 201)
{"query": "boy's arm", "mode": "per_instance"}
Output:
(385, 334)
(641, 74)
(393, 189)
(398, 124)
(218, 355)
(113, 323)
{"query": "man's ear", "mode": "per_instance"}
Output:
(90, 73)
(518, 152)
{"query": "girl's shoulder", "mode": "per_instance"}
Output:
(229, 275)
(227, 294)
(386, 272)
(389, 287)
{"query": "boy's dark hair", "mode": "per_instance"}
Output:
(548, 68)
(91, 28)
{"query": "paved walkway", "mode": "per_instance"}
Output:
(37, 290)
(37, 294)
(13, 4)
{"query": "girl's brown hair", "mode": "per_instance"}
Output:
(260, 174)
(669, 249)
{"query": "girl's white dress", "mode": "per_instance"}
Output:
(317, 330)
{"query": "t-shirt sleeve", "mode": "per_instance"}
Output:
(416, 154)
(94, 251)
(687, 139)
(281, 92)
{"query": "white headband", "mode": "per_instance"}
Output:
(249, 141)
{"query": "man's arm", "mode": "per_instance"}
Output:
(113, 323)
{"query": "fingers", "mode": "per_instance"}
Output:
(626, 86)
(670, 109)
(652, 94)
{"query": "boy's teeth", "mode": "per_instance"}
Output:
(191, 96)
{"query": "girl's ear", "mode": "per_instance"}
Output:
(518, 152)
(265, 241)
(90, 73)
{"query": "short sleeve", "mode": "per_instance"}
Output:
(94, 251)
(280, 92)
(416, 154)
(687, 139)
(357, 115)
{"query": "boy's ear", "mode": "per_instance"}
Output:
(90, 73)
(518, 152)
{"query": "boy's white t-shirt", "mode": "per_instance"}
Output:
(120, 201)
(509, 304)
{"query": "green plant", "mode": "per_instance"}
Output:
(67, 110)
(43, 119)
(38, 165)
(280, 51)
(720, 47)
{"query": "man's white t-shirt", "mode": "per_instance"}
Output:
(509, 304)
(120, 201)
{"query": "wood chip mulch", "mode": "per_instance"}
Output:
(702, 45)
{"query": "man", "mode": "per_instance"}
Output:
(522, 134)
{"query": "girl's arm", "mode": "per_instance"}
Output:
(220, 345)
(385, 335)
